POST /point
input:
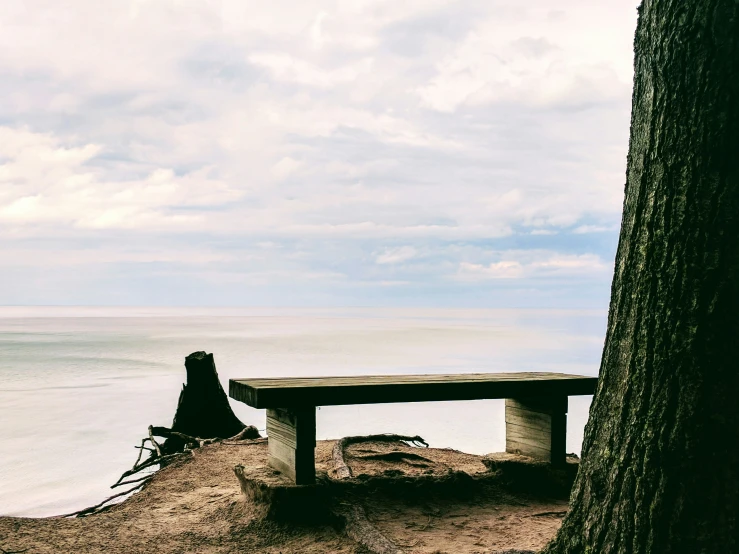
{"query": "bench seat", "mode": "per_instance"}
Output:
(536, 407)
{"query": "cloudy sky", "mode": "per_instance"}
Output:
(353, 152)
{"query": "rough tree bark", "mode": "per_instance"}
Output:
(660, 464)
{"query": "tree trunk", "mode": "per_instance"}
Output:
(203, 410)
(660, 464)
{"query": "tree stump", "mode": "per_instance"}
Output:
(203, 410)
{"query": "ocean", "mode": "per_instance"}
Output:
(80, 386)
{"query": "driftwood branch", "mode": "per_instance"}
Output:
(343, 471)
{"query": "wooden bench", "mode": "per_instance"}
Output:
(535, 408)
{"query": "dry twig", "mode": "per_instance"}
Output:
(141, 451)
(154, 460)
(131, 481)
(93, 509)
(154, 443)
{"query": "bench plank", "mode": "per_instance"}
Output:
(381, 389)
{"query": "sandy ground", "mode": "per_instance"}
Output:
(490, 520)
(195, 506)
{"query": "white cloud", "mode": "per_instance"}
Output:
(497, 270)
(396, 255)
(75, 257)
(584, 229)
(285, 167)
(394, 283)
(571, 263)
(285, 67)
(263, 278)
(369, 123)
(42, 180)
(533, 264)
(531, 56)
(316, 32)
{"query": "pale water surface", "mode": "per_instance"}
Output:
(79, 386)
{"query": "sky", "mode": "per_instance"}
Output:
(312, 153)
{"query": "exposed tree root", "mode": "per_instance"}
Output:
(157, 458)
(343, 471)
(247, 433)
(189, 443)
(550, 514)
(358, 528)
(96, 507)
(154, 443)
(242, 442)
(396, 457)
(356, 524)
(149, 462)
(132, 481)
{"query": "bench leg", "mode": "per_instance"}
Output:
(291, 439)
(537, 427)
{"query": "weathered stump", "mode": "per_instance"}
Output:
(203, 410)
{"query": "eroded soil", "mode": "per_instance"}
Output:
(196, 506)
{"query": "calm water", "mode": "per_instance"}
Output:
(79, 386)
